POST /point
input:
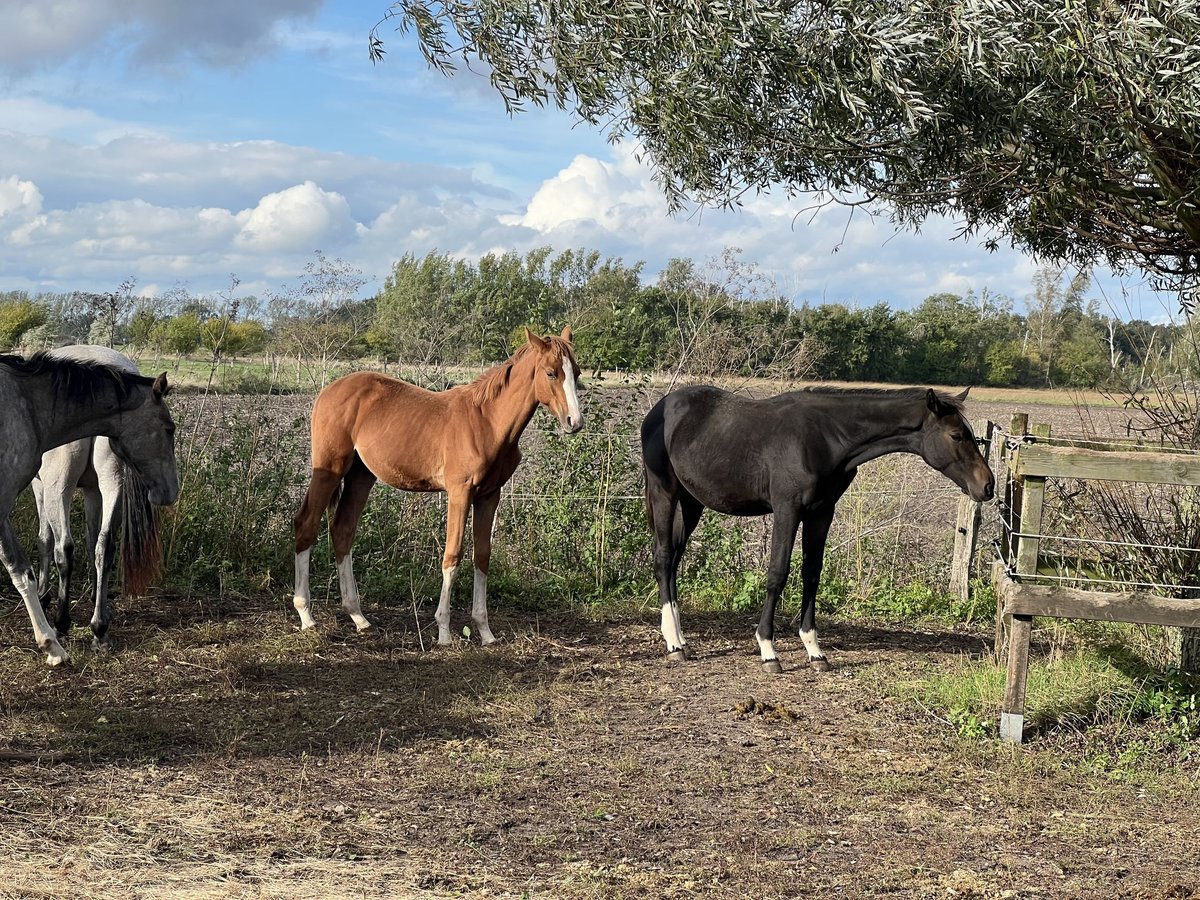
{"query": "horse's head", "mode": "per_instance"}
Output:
(556, 377)
(948, 445)
(145, 438)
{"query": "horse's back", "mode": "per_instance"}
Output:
(396, 428)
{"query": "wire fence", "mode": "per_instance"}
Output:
(1107, 535)
(571, 523)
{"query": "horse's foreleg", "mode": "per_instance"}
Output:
(316, 499)
(484, 520)
(816, 532)
(458, 502)
(356, 487)
(783, 539)
(24, 581)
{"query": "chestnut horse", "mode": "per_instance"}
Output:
(464, 441)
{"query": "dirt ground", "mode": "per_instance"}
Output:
(219, 752)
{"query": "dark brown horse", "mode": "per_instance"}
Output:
(464, 441)
(794, 456)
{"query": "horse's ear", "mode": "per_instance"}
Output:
(931, 400)
(963, 395)
(161, 388)
(567, 334)
(539, 342)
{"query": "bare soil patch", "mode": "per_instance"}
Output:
(219, 752)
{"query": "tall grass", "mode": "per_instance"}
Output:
(571, 528)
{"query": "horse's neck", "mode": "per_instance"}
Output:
(59, 421)
(510, 411)
(888, 427)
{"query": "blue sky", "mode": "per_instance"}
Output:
(182, 143)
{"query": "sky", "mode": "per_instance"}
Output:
(182, 144)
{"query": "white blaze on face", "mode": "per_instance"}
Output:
(572, 395)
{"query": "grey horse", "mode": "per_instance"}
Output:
(116, 503)
(47, 401)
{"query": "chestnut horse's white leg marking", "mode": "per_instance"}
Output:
(442, 616)
(810, 644)
(571, 394)
(350, 601)
(479, 609)
(300, 599)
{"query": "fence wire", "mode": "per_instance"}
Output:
(1099, 561)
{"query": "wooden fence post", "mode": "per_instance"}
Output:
(1012, 714)
(966, 532)
(1010, 504)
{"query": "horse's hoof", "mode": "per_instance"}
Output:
(772, 667)
(677, 656)
(820, 664)
(55, 654)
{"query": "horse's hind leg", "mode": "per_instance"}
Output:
(45, 538)
(783, 539)
(316, 500)
(103, 509)
(53, 500)
(484, 519)
(356, 487)
(673, 517)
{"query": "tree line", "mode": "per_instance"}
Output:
(720, 318)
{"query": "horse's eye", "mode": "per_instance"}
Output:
(552, 375)
(957, 437)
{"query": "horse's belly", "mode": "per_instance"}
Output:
(401, 477)
(730, 499)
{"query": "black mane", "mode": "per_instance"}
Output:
(914, 393)
(74, 380)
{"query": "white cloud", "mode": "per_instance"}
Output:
(87, 215)
(19, 199)
(298, 218)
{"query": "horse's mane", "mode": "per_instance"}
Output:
(913, 393)
(77, 381)
(487, 387)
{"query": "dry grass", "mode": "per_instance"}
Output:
(223, 754)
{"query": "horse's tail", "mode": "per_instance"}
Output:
(141, 546)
